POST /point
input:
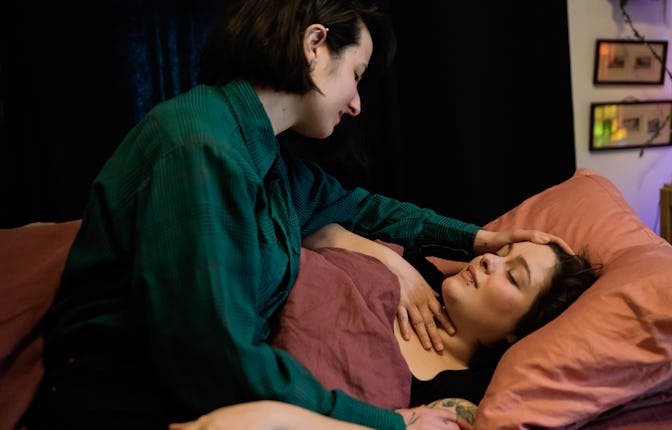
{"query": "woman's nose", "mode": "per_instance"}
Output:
(489, 262)
(355, 105)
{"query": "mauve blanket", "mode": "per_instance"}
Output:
(338, 322)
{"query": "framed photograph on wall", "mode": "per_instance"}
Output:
(619, 62)
(632, 124)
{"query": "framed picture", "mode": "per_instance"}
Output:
(634, 124)
(619, 62)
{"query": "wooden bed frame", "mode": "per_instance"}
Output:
(666, 212)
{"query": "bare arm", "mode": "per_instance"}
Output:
(273, 415)
(333, 235)
(465, 411)
(265, 415)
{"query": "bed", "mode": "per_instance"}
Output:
(605, 363)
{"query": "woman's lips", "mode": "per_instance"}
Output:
(469, 276)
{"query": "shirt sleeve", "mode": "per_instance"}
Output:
(201, 277)
(321, 199)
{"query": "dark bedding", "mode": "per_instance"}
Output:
(338, 323)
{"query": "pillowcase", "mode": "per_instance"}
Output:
(614, 344)
(32, 259)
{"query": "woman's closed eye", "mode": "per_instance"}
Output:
(512, 278)
(515, 266)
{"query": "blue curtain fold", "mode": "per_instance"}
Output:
(76, 76)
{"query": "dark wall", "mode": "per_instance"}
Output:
(474, 116)
(484, 101)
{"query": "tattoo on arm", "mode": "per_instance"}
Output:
(464, 408)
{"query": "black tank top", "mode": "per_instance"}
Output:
(469, 384)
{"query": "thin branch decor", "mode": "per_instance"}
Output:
(638, 36)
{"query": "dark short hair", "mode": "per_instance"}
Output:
(261, 40)
(573, 274)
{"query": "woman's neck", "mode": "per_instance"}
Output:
(280, 107)
(426, 364)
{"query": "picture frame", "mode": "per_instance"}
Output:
(627, 62)
(630, 124)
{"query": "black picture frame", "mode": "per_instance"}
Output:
(630, 124)
(629, 62)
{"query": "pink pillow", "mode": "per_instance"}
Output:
(614, 344)
(31, 261)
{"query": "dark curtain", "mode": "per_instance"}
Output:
(474, 116)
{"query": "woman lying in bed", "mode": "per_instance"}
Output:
(493, 300)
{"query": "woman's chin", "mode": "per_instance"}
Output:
(315, 133)
(324, 133)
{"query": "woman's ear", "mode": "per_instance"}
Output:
(313, 39)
